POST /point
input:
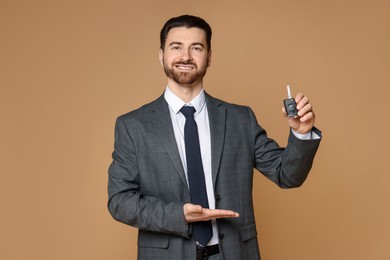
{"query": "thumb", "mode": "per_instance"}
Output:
(196, 208)
(192, 208)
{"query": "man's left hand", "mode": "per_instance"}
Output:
(306, 117)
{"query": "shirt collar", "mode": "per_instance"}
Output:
(175, 103)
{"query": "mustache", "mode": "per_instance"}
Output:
(184, 63)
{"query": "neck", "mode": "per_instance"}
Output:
(185, 92)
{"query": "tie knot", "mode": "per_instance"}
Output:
(188, 111)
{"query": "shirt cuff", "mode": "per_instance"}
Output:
(308, 136)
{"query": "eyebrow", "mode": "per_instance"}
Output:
(173, 43)
(180, 43)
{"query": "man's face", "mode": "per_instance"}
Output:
(185, 56)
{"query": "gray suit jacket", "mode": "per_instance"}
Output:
(147, 186)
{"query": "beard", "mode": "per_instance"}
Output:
(182, 77)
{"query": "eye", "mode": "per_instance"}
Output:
(175, 47)
(197, 48)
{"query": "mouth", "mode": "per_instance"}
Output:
(186, 67)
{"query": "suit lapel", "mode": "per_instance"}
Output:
(162, 122)
(160, 116)
(217, 118)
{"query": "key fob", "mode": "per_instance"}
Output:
(291, 107)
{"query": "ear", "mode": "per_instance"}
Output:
(209, 59)
(161, 57)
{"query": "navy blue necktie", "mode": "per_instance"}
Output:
(202, 230)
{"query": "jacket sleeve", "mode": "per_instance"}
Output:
(126, 203)
(287, 167)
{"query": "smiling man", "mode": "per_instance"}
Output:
(183, 164)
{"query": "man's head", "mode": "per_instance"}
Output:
(187, 21)
(185, 50)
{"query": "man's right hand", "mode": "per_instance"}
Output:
(193, 213)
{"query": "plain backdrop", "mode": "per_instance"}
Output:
(69, 68)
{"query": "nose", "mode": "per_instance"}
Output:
(186, 55)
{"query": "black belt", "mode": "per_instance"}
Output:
(203, 253)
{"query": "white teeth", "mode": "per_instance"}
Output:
(184, 68)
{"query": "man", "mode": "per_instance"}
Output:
(152, 181)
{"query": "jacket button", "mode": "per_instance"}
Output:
(217, 197)
(221, 236)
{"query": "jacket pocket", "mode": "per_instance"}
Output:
(152, 239)
(248, 231)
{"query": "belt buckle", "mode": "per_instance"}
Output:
(203, 251)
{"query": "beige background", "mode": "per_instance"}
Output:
(69, 68)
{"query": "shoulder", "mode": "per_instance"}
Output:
(230, 107)
(139, 113)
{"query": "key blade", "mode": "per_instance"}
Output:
(288, 91)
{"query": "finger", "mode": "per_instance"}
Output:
(208, 214)
(229, 215)
(304, 110)
(307, 117)
(221, 213)
(298, 97)
(303, 102)
(284, 112)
